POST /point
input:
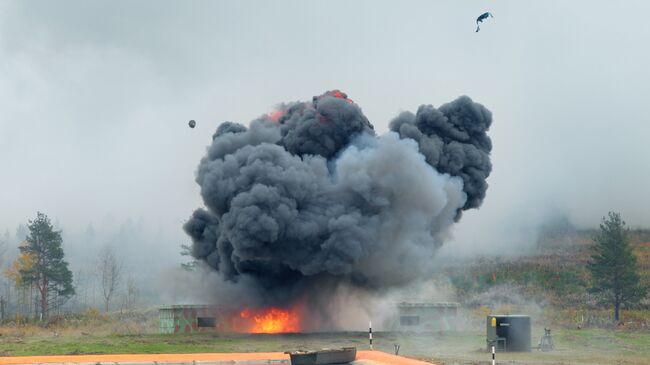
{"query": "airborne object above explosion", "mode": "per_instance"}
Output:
(481, 18)
(308, 197)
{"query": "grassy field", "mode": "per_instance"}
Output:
(591, 346)
(550, 285)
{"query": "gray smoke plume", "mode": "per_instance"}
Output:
(309, 195)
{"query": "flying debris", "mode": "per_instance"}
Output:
(481, 18)
(192, 123)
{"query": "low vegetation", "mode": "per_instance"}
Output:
(555, 279)
(551, 284)
(573, 346)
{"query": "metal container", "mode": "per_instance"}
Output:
(189, 319)
(323, 357)
(508, 333)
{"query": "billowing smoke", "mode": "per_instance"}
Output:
(310, 196)
(453, 140)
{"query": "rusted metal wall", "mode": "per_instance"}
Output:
(186, 319)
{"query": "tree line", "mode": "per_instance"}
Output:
(39, 283)
(42, 282)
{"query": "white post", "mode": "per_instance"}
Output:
(493, 363)
(370, 333)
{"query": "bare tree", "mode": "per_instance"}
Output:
(110, 272)
(2, 297)
(3, 250)
(129, 296)
(131, 293)
(4, 290)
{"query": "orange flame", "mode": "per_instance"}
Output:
(275, 115)
(340, 95)
(269, 320)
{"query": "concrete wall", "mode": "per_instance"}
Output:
(427, 317)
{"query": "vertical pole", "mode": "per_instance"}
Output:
(493, 363)
(370, 333)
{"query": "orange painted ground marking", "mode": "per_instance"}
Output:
(374, 357)
(380, 357)
(248, 356)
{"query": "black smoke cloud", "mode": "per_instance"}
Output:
(310, 194)
(453, 140)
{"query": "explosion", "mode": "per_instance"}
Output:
(270, 320)
(309, 198)
(337, 94)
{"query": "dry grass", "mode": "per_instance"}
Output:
(90, 322)
(592, 346)
(95, 333)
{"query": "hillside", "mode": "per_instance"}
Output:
(553, 279)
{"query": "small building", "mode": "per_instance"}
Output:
(189, 318)
(427, 317)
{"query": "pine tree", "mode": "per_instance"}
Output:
(49, 272)
(613, 265)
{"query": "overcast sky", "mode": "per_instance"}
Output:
(95, 97)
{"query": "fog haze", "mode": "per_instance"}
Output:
(95, 98)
